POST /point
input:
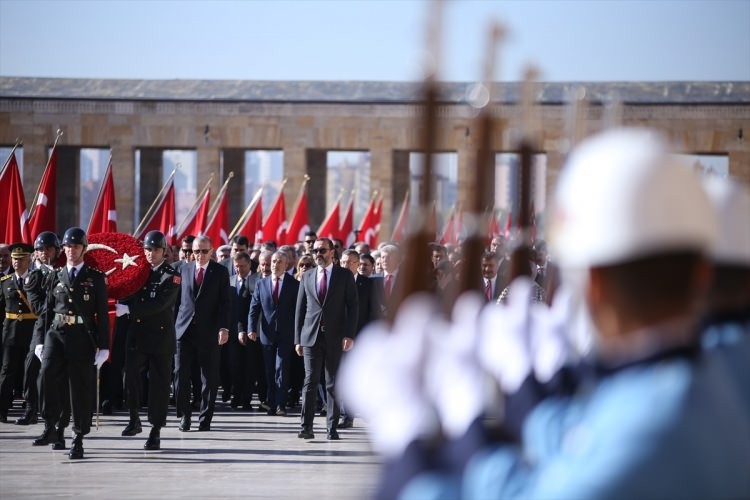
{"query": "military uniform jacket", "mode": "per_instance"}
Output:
(37, 283)
(151, 327)
(14, 301)
(85, 297)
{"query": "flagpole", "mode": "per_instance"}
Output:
(39, 188)
(148, 214)
(281, 193)
(301, 192)
(250, 206)
(101, 190)
(19, 142)
(198, 200)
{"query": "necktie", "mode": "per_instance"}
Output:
(388, 285)
(276, 290)
(20, 283)
(242, 287)
(323, 288)
(488, 291)
(72, 274)
(199, 278)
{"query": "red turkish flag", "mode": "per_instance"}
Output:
(43, 214)
(370, 226)
(217, 229)
(104, 217)
(508, 224)
(450, 232)
(163, 217)
(330, 226)
(14, 227)
(346, 231)
(300, 222)
(197, 218)
(494, 227)
(274, 228)
(253, 225)
(402, 222)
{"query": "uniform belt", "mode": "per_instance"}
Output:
(69, 320)
(20, 316)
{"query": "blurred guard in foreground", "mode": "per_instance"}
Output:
(78, 337)
(652, 415)
(151, 340)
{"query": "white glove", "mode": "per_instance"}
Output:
(381, 378)
(38, 351)
(453, 378)
(551, 346)
(505, 342)
(101, 356)
(121, 310)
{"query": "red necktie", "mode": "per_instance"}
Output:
(388, 285)
(276, 290)
(323, 288)
(199, 278)
(488, 291)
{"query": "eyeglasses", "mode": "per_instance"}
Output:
(186, 250)
(204, 251)
(320, 250)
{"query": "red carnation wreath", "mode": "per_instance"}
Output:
(120, 257)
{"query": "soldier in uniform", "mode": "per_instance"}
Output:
(151, 339)
(18, 325)
(76, 308)
(47, 248)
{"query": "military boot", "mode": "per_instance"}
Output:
(47, 437)
(59, 443)
(133, 427)
(154, 439)
(76, 451)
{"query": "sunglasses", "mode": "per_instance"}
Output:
(186, 250)
(306, 264)
(204, 251)
(320, 250)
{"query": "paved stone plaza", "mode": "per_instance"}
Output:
(245, 454)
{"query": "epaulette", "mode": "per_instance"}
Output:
(168, 269)
(6, 277)
(95, 270)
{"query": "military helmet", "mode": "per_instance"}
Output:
(155, 239)
(46, 239)
(75, 236)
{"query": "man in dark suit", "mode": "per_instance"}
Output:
(78, 336)
(272, 310)
(492, 282)
(241, 285)
(150, 339)
(325, 326)
(390, 283)
(203, 314)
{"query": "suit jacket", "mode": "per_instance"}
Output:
(229, 264)
(276, 321)
(499, 287)
(151, 326)
(369, 300)
(240, 303)
(207, 309)
(379, 284)
(338, 312)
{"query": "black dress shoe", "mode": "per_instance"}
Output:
(59, 443)
(333, 436)
(106, 408)
(347, 423)
(48, 436)
(76, 451)
(133, 427)
(271, 412)
(28, 418)
(153, 442)
(281, 411)
(204, 427)
(306, 435)
(185, 423)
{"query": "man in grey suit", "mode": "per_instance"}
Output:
(324, 328)
(203, 313)
(272, 314)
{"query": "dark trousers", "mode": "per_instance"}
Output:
(315, 357)
(113, 373)
(11, 372)
(238, 383)
(276, 360)
(158, 367)
(297, 380)
(208, 358)
(80, 379)
(248, 373)
(31, 368)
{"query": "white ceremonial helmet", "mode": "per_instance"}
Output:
(732, 204)
(623, 195)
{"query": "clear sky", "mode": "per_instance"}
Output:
(379, 40)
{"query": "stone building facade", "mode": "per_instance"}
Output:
(219, 119)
